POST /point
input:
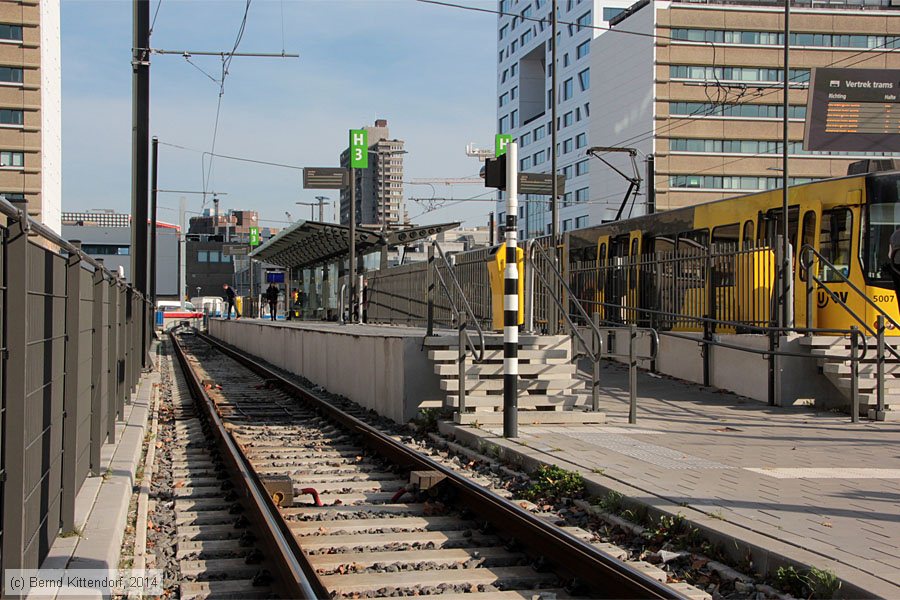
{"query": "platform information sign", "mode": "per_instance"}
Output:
(359, 149)
(853, 110)
(254, 236)
(324, 178)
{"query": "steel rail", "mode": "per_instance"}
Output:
(606, 576)
(297, 576)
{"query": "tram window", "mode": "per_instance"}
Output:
(835, 240)
(808, 236)
(601, 255)
(692, 257)
(632, 272)
(726, 234)
(748, 233)
(774, 227)
(663, 244)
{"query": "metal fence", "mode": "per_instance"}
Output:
(399, 295)
(73, 348)
(727, 286)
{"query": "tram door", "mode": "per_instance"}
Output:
(616, 281)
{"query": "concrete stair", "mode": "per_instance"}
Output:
(549, 388)
(832, 353)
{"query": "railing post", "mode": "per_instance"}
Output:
(112, 390)
(99, 368)
(70, 394)
(706, 351)
(16, 374)
(461, 364)
(632, 375)
(854, 374)
(878, 414)
(595, 375)
(529, 286)
(810, 293)
(430, 294)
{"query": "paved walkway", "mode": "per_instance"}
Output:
(809, 486)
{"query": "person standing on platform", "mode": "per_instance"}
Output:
(230, 302)
(272, 299)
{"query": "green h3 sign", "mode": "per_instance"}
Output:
(501, 140)
(359, 149)
(254, 236)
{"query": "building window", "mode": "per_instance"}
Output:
(578, 115)
(504, 30)
(567, 199)
(567, 146)
(539, 158)
(13, 196)
(105, 250)
(11, 32)
(10, 116)
(504, 124)
(525, 163)
(584, 20)
(755, 147)
(514, 93)
(776, 38)
(731, 182)
(202, 256)
(504, 98)
(567, 224)
(526, 37)
(539, 133)
(514, 119)
(610, 13)
(581, 195)
(525, 139)
(754, 74)
(566, 59)
(567, 171)
(503, 77)
(513, 69)
(742, 111)
(584, 79)
(583, 49)
(581, 140)
(581, 167)
(213, 256)
(568, 89)
(567, 119)
(581, 222)
(504, 5)
(587, 109)
(11, 75)
(15, 160)
(514, 46)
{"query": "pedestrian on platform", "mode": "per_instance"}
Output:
(230, 302)
(272, 298)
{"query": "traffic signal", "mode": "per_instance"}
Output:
(495, 173)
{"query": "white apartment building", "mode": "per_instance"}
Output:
(524, 98)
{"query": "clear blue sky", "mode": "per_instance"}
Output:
(429, 70)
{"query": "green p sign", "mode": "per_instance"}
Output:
(254, 236)
(500, 142)
(359, 149)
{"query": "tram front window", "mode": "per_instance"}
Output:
(882, 220)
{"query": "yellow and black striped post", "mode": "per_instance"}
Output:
(511, 298)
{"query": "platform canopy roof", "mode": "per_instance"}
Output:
(311, 243)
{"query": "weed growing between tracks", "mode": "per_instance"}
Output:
(551, 484)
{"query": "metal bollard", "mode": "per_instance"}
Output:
(632, 376)
(854, 374)
(879, 398)
(595, 376)
(461, 366)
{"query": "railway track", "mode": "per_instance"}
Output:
(349, 512)
(216, 553)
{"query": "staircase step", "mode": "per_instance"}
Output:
(496, 341)
(865, 368)
(532, 417)
(497, 355)
(891, 386)
(563, 371)
(566, 401)
(554, 385)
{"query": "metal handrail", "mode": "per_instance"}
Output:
(808, 250)
(530, 246)
(477, 353)
(341, 304)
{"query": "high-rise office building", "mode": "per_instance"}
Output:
(695, 84)
(379, 188)
(699, 86)
(524, 97)
(30, 107)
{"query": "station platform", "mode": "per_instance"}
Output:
(783, 485)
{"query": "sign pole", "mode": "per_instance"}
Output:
(359, 159)
(352, 269)
(511, 298)
(786, 300)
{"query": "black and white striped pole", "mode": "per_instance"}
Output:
(511, 298)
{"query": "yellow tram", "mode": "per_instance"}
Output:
(848, 220)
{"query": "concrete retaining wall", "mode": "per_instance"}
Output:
(383, 371)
